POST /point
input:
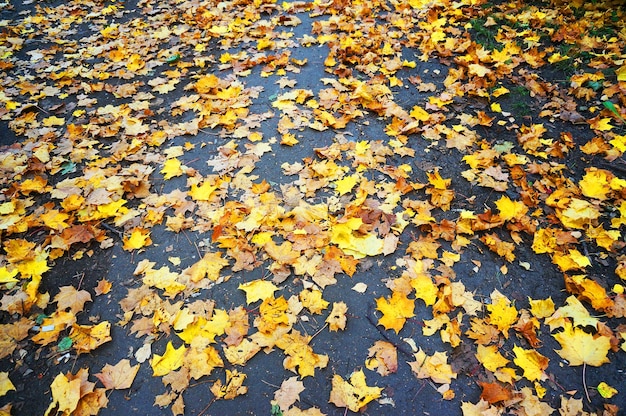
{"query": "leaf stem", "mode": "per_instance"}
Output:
(585, 383)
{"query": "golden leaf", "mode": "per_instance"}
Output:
(86, 338)
(232, 388)
(580, 347)
(354, 394)
(531, 362)
(172, 359)
(395, 310)
(435, 367)
(258, 290)
(337, 318)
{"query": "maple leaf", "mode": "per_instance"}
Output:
(435, 367)
(337, 318)
(202, 361)
(510, 209)
(383, 358)
(258, 290)
(119, 376)
(580, 347)
(65, 394)
(138, 238)
(52, 326)
(172, 168)
(495, 392)
(69, 297)
(209, 266)
(395, 310)
(490, 357)
(501, 313)
(288, 393)
(482, 408)
(86, 338)
(172, 359)
(241, 353)
(300, 354)
(344, 235)
(5, 384)
(541, 308)
(531, 362)
(312, 300)
(354, 394)
(232, 388)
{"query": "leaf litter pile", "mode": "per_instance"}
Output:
(246, 158)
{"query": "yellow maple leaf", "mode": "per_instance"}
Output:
(580, 347)
(353, 394)
(119, 376)
(55, 219)
(5, 383)
(202, 361)
(510, 209)
(164, 279)
(52, 326)
(490, 357)
(203, 331)
(337, 318)
(312, 300)
(300, 355)
(273, 313)
(171, 360)
(258, 290)
(232, 388)
(241, 353)
(419, 114)
(139, 237)
(531, 362)
(596, 183)
(346, 184)
(479, 70)
(501, 313)
(65, 394)
(202, 192)
(602, 124)
(172, 168)
(209, 266)
(541, 308)
(86, 338)
(435, 179)
(357, 245)
(8, 276)
(383, 358)
(395, 310)
(425, 289)
(435, 367)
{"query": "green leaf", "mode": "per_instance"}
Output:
(276, 410)
(65, 344)
(173, 58)
(611, 107)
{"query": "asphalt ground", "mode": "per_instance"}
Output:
(272, 106)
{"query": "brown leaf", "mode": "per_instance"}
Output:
(495, 392)
(119, 376)
(69, 297)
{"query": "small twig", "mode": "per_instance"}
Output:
(119, 233)
(207, 406)
(319, 330)
(585, 383)
(80, 282)
(270, 384)
(193, 243)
